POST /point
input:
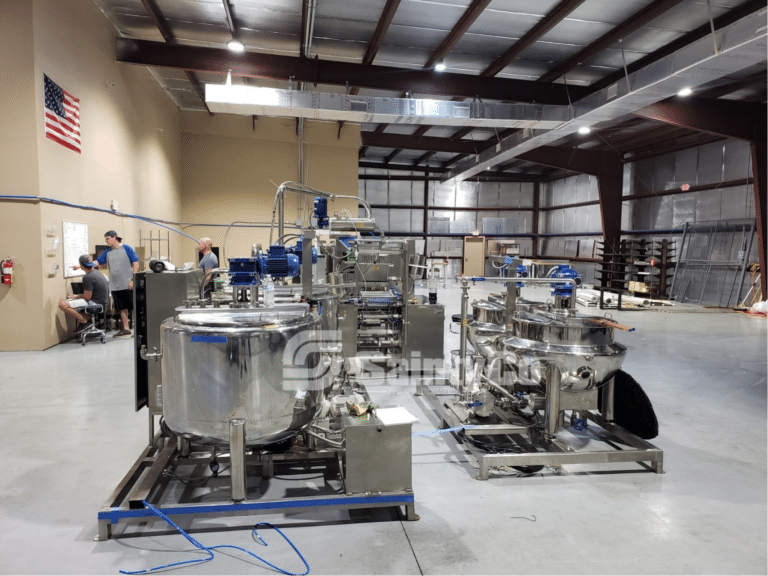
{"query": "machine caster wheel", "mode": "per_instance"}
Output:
(82, 341)
(103, 339)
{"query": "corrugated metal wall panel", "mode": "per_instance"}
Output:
(399, 220)
(580, 189)
(526, 194)
(592, 222)
(683, 209)
(466, 195)
(736, 202)
(642, 177)
(707, 205)
(400, 192)
(627, 215)
(488, 194)
(509, 194)
(643, 214)
(417, 221)
(662, 219)
(381, 216)
(470, 222)
(377, 192)
(547, 194)
(569, 220)
(710, 163)
(736, 160)
(686, 166)
(445, 195)
(664, 172)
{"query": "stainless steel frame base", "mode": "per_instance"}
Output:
(152, 478)
(621, 445)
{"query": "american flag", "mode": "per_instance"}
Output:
(62, 116)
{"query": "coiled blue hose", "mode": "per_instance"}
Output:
(210, 549)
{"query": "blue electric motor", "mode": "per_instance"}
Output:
(321, 212)
(298, 250)
(561, 288)
(280, 263)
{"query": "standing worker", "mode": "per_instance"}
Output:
(208, 262)
(123, 263)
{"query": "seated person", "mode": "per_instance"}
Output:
(95, 291)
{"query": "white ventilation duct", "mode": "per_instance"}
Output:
(250, 100)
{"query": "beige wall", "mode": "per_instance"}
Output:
(130, 153)
(22, 318)
(233, 165)
(137, 149)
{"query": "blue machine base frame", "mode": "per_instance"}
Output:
(143, 478)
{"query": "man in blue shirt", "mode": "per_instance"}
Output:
(123, 263)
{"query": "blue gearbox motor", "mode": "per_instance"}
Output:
(321, 212)
(562, 288)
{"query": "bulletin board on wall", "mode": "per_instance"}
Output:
(75, 241)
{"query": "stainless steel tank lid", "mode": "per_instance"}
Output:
(242, 317)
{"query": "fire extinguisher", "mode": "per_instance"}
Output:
(7, 267)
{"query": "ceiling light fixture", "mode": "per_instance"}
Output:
(236, 46)
(687, 91)
(584, 130)
(439, 67)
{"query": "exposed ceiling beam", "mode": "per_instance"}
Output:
(573, 159)
(158, 20)
(162, 25)
(392, 155)
(381, 31)
(634, 22)
(304, 27)
(740, 46)
(409, 142)
(554, 17)
(424, 157)
(653, 135)
(452, 161)
(734, 86)
(697, 34)
(216, 60)
(691, 140)
(729, 118)
(466, 20)
(459, 134)
(406, 167)
(378, 37)
(230, 21)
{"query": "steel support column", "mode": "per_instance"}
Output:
(609, 185)
(606, 166)
(535, 229)
(759, 151)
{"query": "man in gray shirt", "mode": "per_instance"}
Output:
(123, 263)
(95, 291)
(208, 262)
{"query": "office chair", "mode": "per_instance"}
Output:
(94, 310)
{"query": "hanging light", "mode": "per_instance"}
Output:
(440, 66)
(687, 91)
(584, 130)
(235, 46)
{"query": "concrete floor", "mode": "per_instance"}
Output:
(71, 434)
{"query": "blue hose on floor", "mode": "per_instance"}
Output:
(443, 430)
(210, 549)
